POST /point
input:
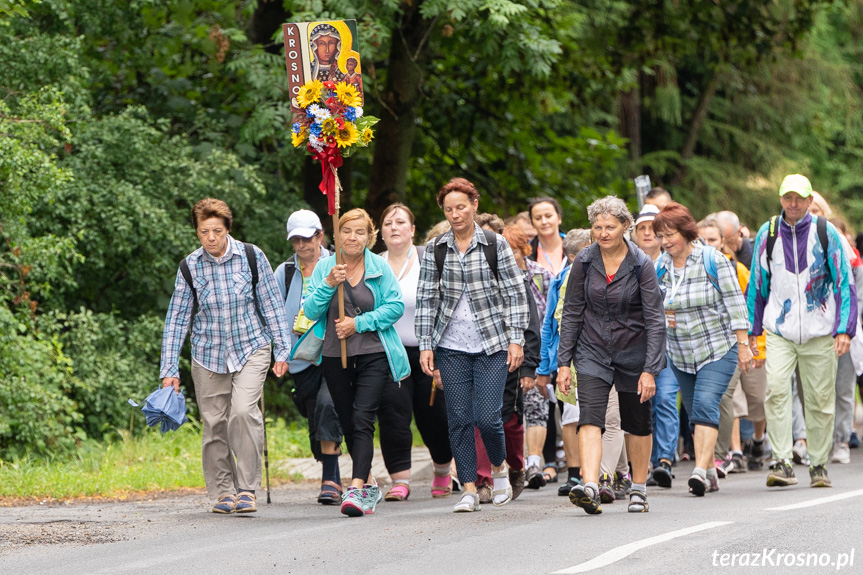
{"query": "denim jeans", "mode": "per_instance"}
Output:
(702, 391)
(666, 419)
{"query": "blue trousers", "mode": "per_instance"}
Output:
(666, 418)
(473, 383)
(703, 391)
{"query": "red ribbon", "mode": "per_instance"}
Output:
(330, 157)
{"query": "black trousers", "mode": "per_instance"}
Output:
(313, 401)
(399, 402)
(357, 393)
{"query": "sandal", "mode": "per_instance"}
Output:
(441, 485)
(331, 493)
(226, 504)
(506, 491)
(549, 478)
(245, 502)
(638, 502)
(398, 492)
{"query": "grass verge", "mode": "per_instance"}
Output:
(127, 464)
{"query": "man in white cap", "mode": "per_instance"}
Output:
(802, 294)
(643, 235)
(309, 392)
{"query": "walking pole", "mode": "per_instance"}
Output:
(266, 451)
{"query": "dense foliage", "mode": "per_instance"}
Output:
(117, 116)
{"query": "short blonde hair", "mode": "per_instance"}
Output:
(361, 214)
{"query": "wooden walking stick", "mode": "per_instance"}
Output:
(266, 450)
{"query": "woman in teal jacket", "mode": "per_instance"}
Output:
(376, 356)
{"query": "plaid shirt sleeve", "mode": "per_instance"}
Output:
(272, 308)
(428, 299)
(513, 291)
(176, 326)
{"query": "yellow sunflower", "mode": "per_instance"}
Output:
(329, 126)
(367, 136)
(347, 94)
(347, 136)
(297, 138)
(309, 93)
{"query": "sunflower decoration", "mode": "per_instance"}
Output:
(309, 93)
(347, 94)
(330, 120)
(297, 138)
(329, 126)
(347, 136)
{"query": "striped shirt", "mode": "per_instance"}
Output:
(705, 318)
(227, 329)
(499, 308)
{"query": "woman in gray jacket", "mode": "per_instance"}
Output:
(613, 329)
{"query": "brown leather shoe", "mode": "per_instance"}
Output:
(516, 480)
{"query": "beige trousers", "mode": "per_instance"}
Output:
(613, 447)
(233, 443)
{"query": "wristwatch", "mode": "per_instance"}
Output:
(519, 342)
(746, 343)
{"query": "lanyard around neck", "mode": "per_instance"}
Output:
(675, 285)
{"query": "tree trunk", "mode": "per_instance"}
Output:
(630, 121)
(394, 134)
(695, 126)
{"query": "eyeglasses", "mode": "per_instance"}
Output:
(660, 237)
(302, 240)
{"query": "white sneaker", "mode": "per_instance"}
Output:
(841, 453)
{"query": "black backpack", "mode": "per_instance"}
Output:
(772, 232)
(489, 248)
(253, 265)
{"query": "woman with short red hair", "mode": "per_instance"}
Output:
(704, 313)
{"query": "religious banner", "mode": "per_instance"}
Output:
(325, 51)
(326, 88)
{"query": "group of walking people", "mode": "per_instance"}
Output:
(512, 372)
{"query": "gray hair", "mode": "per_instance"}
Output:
(612, 206)
(575, 241)
(728, 218)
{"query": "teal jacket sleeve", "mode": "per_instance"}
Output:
(320, 293)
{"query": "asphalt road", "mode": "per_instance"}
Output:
(538, 533)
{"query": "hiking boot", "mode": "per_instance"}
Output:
(621, 485)
(818, 477)
(723, 467)
(651, 482)
(800, 453)
(606, 493)
(564, 489)
(535, 479)
(516, 480)
(352, 502)
(371, 495)
(841, 453)
(782, 475)
(698, 485)
(755, 461)
(738, 463)
(712, 484)
(662, 474)
(584, 497)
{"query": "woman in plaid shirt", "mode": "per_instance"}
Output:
(702, 321)
(470, 325)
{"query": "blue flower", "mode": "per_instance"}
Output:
(296, 128)
(315, 129)
(350, 114)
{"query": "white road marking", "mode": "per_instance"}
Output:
(820, 501)
(623, 551)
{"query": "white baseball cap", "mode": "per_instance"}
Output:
(303, 223)
(647, 214)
